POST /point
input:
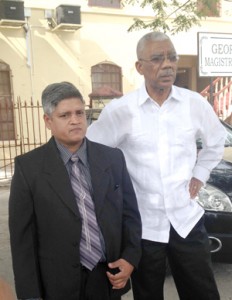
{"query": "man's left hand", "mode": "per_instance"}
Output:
(194, 187)
(119, 279)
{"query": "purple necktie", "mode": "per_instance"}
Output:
(90, 245)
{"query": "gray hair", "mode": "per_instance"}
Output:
(150, 37)
(56, 92)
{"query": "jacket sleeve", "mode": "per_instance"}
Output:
(132, 228)
(22, 236)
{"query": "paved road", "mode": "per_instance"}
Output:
(223, 272)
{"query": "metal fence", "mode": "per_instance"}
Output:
(22, 129)
(219, 94)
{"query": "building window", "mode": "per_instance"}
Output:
(105, 3)
(6, 106)
(106, 84)
(106, 74)
(212, 9)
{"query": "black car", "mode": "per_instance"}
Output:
(216, 199)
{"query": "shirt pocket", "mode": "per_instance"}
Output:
(139, 140)
(184, 136)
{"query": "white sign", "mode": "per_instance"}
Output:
(215, 54)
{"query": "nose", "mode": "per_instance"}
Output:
(167, 61)
(74, 118)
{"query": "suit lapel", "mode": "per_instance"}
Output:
(58, 178)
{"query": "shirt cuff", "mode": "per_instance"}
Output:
(201, 173)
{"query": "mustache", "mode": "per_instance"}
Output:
(168, 72)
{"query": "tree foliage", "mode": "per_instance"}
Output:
(173, 16)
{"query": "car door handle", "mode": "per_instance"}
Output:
(215, 244)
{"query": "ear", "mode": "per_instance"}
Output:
(139, 67)
(47, 120)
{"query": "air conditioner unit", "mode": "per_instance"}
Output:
(12, 13)
(68, 17)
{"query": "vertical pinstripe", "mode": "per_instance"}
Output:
(90, 246)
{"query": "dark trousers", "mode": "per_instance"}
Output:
(190, 263)
(95, 284)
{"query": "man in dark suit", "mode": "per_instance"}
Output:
(46, 220)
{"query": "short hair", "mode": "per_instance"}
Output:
(150, 37)
(56, 92)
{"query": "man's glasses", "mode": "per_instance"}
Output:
(159, 59)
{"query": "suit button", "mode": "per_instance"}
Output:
(75, 266)
(75, 244)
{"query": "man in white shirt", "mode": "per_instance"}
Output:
(157, 127)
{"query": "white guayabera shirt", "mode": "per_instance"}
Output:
(159, 144)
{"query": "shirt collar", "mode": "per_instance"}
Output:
(176, 94)
(66, 154)
(143, 95)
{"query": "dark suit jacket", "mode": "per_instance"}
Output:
(45, 224)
